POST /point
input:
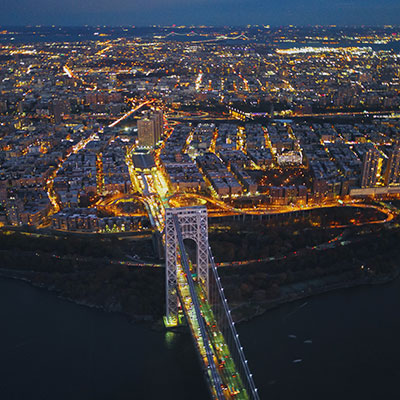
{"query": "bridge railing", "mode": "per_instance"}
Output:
(226, 325)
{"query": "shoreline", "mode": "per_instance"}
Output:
(19, 276)
(261, 308)
(254, 309)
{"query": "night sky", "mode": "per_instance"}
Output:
(207, 12)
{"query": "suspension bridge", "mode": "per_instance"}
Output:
(194, 291)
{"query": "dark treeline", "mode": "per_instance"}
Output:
(79, 269)
(254, 239)
(262, 241)
(73, 245)
(369, 257)
(136, 291)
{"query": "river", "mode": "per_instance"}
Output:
(348, 343)
(54, 349)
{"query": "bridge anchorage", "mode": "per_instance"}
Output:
(196, 291)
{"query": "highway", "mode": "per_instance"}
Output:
(50, 181)
(129, 113)
(226, 209)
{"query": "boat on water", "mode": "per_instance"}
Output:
(298, 360)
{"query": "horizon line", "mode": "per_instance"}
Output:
(180, 26)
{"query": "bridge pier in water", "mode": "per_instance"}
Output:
(198, 293)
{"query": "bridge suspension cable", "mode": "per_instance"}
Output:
(237, 351)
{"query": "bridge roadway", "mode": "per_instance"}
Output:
(224, 377)
(210, 343)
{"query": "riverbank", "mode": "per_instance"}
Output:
(243, 312)
(29, 277)
(136, 293)
(248, 311)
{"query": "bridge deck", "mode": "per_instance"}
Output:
(233, 387)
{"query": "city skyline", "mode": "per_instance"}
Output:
(200, 12)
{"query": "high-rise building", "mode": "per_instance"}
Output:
(150, 129)
(99, 173)
(146, 132)
(371, 168)
(392, 176)
(159, 124)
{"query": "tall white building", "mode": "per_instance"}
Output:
(150, 129)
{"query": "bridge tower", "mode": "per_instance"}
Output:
(194, 225)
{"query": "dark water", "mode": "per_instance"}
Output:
(354, 354)
(53, 349)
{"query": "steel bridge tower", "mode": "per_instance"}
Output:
(194, 225)
(204, 304)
